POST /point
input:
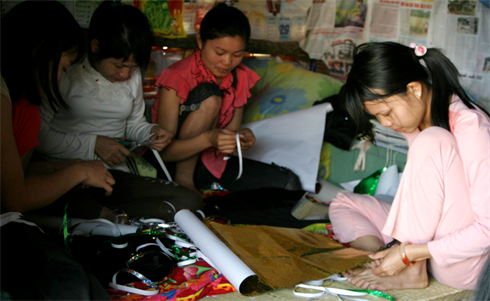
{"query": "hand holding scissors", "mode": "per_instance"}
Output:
(132, 145)
(161, 138)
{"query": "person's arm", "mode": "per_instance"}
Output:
(137, 127)
(472, 133)
(66, 146)
(389, 262)
(23, 192)
(46, 167)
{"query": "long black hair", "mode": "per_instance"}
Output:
(482, 290)
(34, 36)
(225, 21)
(390, 67)
(122, 31)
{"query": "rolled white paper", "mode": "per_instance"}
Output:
(227, 263)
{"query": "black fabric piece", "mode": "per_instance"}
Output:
(34, 268)
(264, 206)
(197, 95)
(135, 195)
(255, 175)
(340, 130)
(98, 255)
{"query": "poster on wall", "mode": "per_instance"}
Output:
(334, 47)
(336, 28)
(165, 17)
(350, 13)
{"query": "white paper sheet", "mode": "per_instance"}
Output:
(293, 140)
(227, 263)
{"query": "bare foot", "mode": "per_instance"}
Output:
(367, 243)
(414, 276)
(357, 270)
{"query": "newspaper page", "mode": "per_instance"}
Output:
(460, 28)
(466, 41)
(336, 28)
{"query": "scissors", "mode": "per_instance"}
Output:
(132, 145)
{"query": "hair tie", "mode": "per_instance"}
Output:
(420, 50)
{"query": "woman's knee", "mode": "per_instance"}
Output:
(341, 203)
(433, 138)
(204, 98)
(211, 106)
(433, 142)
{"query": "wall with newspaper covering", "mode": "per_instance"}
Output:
(460, 28)
(328, 30)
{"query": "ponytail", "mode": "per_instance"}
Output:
(445, 83)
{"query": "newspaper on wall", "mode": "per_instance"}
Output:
(460, 28)
(276, 20)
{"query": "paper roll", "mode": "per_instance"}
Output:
(227, 263)
(327, 191)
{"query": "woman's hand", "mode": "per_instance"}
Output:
(223, 140)
(162, 138)
(247, 139)
(110, 150)
(97, 175)
(387, 262)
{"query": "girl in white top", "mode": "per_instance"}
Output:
(105, 98)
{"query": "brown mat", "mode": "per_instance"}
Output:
(434, 292)
(282, 257)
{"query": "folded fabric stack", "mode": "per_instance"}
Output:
(386, 137)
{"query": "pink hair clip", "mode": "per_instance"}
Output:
(419, 50)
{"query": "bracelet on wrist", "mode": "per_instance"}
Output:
(403, 255)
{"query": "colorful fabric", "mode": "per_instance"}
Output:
(186, 74)
(325, 229)
(284, 88)
(26, 123)
(189, 283)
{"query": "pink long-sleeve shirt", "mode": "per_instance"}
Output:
(471, 129)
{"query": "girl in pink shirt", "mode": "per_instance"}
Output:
(440, 217)
(201, 100)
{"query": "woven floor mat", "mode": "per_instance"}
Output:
(434, 292)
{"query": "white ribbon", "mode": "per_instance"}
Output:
(162, 165)
(334, 277)
(325, 290)
(240, 158)
(133, 290)
(15, 217)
